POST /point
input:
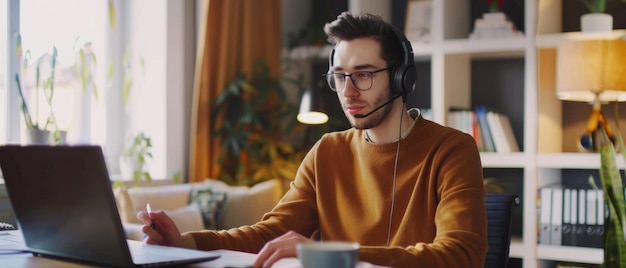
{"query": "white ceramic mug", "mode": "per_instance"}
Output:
(328, 254)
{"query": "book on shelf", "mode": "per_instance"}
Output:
(571, 217)
(502, 132)
(491, 130)
(496, 131)
(485, 131)
(556, 219)
(545, 212)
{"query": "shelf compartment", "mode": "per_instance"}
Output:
(570, 254)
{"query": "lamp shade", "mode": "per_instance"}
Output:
(311, 108)
(591, 70)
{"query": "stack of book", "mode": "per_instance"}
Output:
(491, 130)
(571, 217)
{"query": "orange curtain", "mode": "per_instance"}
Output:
(233, 34)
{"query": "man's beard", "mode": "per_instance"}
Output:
(374, 119)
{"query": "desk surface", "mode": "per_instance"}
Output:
(13, 253)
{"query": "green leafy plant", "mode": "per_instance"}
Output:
(45, 87)
(252, 126)
(137, 151)
(614, 228)
(494, 5)
(84, 67)
(597, 6)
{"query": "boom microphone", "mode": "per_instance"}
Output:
(381, 106)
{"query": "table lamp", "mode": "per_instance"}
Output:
(592, 71)
(311, 108)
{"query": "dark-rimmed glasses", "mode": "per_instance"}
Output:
(361, 80)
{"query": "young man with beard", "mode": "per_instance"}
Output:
(408, 190)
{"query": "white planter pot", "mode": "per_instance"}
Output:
(37, 136)
(596, 23)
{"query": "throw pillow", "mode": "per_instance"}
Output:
(210, 203)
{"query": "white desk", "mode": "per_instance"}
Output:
(12, 241)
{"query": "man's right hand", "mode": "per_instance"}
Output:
(165, 232)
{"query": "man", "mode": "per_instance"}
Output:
(408, 190)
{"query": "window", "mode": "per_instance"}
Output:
(76, 106)
(3, 72)
(138, 47)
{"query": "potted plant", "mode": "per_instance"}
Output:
(252, 127)
(596, 20)
(133, 160)
(40, 132)
(614, 232)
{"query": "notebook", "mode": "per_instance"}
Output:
(63, 201)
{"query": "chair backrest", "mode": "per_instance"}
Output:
(499, 217)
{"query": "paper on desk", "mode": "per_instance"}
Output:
(12, 240)
(236, 259)
(229, 258)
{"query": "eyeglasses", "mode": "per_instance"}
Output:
(361, 80)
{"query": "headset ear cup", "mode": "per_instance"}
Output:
(397, 85)
(409, 79)
(403, 79)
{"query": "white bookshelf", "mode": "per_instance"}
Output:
(542, 158)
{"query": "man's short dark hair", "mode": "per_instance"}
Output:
(350, 26)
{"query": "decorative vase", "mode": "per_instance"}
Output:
(596, 23)
(37, 136)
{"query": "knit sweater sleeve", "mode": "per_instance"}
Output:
(296, 211)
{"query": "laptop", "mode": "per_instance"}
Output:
(64, 204)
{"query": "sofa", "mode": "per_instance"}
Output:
(210, 204)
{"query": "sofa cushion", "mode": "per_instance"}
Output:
(187, 218)
(209, 202)
(246, 205)
(165, 197)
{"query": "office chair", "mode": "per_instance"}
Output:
(499, 218)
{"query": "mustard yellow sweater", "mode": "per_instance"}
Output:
(344, 188)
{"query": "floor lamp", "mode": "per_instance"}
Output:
(592, 71)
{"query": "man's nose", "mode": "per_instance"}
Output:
(349, 88)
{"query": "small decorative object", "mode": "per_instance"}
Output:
(494, 24)
(596, 21)
(495, 5)
(418, 20)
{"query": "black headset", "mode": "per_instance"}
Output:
(403, 77)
